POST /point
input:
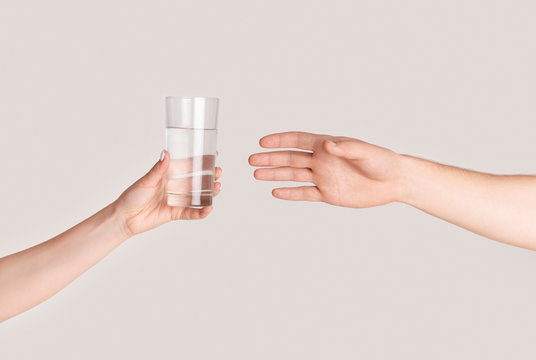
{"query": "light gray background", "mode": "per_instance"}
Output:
(82, 88)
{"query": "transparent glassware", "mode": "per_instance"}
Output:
(191, 132)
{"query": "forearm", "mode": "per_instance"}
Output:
(31, 276)
(502, 208)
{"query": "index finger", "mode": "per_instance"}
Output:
(292, 139)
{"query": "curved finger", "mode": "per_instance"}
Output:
(292, 139)
(217, 172)
(217, 188)
(284, 173)
(195, 214)
(301, 193)
(282, 158)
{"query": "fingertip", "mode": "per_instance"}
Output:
(164, 160)
(267, 141)
(155, 174)
(251, 159)
(217, 172)
(278, 193)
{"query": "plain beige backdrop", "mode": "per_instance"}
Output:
(82, 88)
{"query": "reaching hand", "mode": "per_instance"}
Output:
(143, 205)
(345, 171)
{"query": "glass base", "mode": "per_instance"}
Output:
(191, 200)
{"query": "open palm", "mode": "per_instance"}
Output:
(345, 171)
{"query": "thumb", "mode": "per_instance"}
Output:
(157, 172)
(348, 149)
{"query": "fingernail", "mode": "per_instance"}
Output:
(162, 155)
(332, 143)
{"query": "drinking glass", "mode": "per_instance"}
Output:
(191, 130)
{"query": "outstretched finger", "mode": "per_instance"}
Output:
(284, 173)
(301, 193)
(298, 159)
(292, 139)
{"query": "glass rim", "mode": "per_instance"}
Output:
(173, 97)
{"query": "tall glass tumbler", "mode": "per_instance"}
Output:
(191, 130)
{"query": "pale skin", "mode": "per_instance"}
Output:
(342, 171)
(29, 277)
(352, 173)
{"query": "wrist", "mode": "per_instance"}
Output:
(408, 173)
(116, 216)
